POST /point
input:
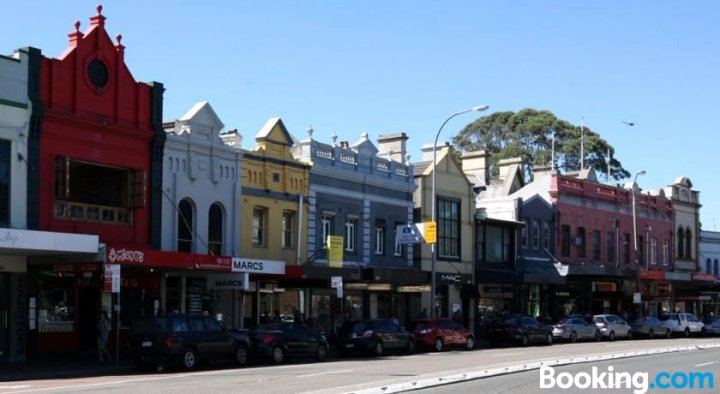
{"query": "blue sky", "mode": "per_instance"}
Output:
(390, 66)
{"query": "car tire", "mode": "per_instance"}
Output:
(668, 334)
(573, 337)
(321, 352)
(651, 334)
(598, 336)
(611, 336)
(439, 345)
(629, 335)
(525, 340)
(277, 356)
(189, 359)
(549, 339)
(241, 355)
(378, 349)
(410, 348)
(686, 333)
(470, 343)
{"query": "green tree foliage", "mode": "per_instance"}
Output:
(529, 134)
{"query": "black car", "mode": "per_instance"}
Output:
(185, 340)
(522, 330)
(280, 341)
(373, 336)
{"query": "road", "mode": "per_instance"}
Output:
(349, 375)
(529, 382)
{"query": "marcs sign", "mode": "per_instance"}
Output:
(258, 266)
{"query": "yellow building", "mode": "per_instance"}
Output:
(274, 218)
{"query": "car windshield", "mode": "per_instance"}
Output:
(598, 319)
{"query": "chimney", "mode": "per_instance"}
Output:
(394, 145)
(427, 150)
(477, 164)
(232, 138)
(345, 144)
(505, 165)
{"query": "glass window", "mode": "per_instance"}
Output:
(480, 243)
(215, 230)
(597, 241)
(326, 222)
(4, 182)
(524, 235)
(610, 246)
(350, 234)
(448, 228)
(180, 324)
(688, 244)
(565, 240)
(716, 267)
(185, 226)
(653, 251)
(288, 220)
(398, 246)
(259, 226)
(680, 243)
(580, 242)
(626, 248)
(493, 244)
(708, 264)
(546, 235)
(197, 325)
(379, 238)
(535, 235)
(211, 325)
(666, 252)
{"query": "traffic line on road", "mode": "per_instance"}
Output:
(14, 387)
(704, 364)
(324, 373)
(508, 354)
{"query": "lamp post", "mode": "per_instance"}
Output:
(433, 282)
(635, 251)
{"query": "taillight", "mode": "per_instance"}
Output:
(367, 334)
(168, 341)
(267, 338)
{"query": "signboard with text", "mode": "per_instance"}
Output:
(258, 266)
(112, 278)
(335, 251)
(161, 259)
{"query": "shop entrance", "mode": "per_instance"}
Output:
(87, 317)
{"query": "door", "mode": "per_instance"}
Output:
(4, 316)
(87, 318)
(219, 339)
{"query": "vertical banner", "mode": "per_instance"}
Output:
(335, 251)
(112, 278)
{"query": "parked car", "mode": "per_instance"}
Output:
(441, 333)
(683, 324)
(573, 329)
(523, 330)
(613, 326)
(185, 340)
(712, 325)
(279, 342)
(373, 336)
(650, 327)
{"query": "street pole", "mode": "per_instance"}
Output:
(635, 248)
(433, 281)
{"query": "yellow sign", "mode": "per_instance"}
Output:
(430, 234)
(335, 251)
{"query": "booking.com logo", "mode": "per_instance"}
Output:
(639, 382)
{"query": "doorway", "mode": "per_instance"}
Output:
(87, 317)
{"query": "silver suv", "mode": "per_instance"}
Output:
(683, 323)
(613, 326)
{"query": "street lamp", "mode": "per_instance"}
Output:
(637, 264)
(433, 285)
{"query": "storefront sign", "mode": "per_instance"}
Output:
(30, 241)
(162, 259)
(228, 281)
(452, 279)
(413, 289)
(653, 275)
(335, 251)
(704, 277)
(258, 266)
(604, 286)
(112, 278)
(678, 276)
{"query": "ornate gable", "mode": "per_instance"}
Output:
(274, 132)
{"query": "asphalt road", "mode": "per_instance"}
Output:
(529, 382)
(347, 375)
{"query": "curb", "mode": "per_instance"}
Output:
(486, 373)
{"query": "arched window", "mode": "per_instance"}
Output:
(215, 230)
(185, 226)
(716, 267)
(688, 244)
(680, 243)
(708, 264)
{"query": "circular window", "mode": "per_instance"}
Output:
(97, 73)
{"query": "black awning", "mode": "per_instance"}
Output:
(541, 271)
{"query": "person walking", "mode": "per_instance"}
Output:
(103, 331)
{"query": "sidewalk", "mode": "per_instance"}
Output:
(69, 365)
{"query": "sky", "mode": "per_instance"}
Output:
(397, 66)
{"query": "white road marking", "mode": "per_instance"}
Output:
(508, 354)
(324, 373)
(704, 364)
(14, 387)
(616, 345)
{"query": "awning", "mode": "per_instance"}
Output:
(485, 275)
(45, 243)
(542, 271)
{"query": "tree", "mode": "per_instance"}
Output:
(529, 134)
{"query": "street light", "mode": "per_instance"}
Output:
(433, 285)
(637, 264)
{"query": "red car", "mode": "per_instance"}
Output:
(441, 333)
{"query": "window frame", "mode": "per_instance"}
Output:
(185, 224)
(327, 224)
(351, 223)
(213, 243)
(379, 239)
(448, 218)
(287, 224)
(259, 227)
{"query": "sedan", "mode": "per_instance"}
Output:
(712, 326)
(650, 327)
(439, 334)
(613, 326)
(374, 337)
(573, 329)
(523, 330)
(280, 341)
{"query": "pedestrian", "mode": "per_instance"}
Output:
(103, 331)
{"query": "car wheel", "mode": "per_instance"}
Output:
(470, 343)
(410, 349)
(277, 355)
(668, 334)
(321, 352)
(189, 359)
(651, 334)
(439, 345)
(598, 336)
(611, 336)
(686, 333)
(379, 349)
(549, 339)
(573, 337)
(525, 340)
(241, 355)
(629, 335)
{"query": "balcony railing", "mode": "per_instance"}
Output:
(92, 213)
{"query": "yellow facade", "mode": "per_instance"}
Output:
(274, 193)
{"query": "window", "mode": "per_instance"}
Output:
(640, 252)
(448, 228)
(185, 226)
(610, 246)
(597, 241)
(288, 220)
(215, 230)
(708, 264)
(380, 237)
(524, 235)
(716, 267)
(680, 243)
(546, 235)
(480, 243)
(4, 182)
(327, 224)
(580, 242)
(626, 248)
(498, 245)
(688, 244)
(350, 234)
(666, 252)
(565, 240)
(653, 251)
(535, 235)
(259, 227)
(398, 245)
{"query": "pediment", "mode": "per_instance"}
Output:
(274, 131)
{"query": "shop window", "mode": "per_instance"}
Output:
(288, 221)
(597, 241)
(216, 223)
(327, 225)
(350, 234)
(565, 240)
(259, 227)
(535, 235)
(448, 228)
(4, 183)
(380, 237)
(185, 226)
(56, 309)
(99, 193)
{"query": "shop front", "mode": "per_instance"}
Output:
(655, 292)
(265, 299)
(684, 297)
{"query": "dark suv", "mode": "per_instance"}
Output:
(185, 340)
